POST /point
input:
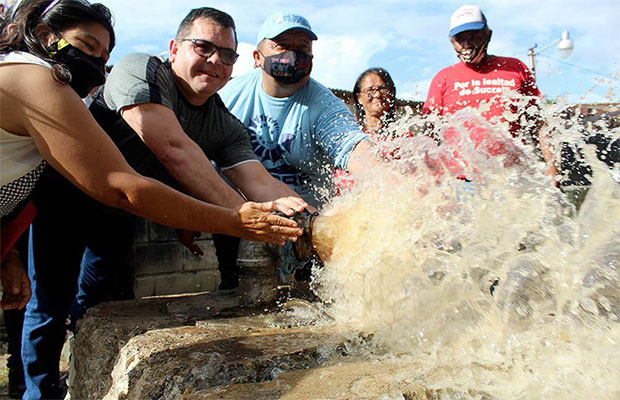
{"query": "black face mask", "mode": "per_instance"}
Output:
(87, 72)
(289, 67)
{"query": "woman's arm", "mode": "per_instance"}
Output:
(69, 138)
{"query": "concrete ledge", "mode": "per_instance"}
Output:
(204, 347)
(202, 281)
(164, 348)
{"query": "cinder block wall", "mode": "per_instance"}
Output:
(164, 266)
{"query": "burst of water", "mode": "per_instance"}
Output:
(498, 282)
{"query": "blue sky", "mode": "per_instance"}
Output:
(409, 38)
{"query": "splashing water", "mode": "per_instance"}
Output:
(498, 281)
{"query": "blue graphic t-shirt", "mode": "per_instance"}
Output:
(299, 139)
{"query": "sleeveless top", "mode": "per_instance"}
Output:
(21, 163)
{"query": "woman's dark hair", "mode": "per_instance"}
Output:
(387, 79)
(58, 15)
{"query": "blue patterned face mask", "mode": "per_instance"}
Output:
(289, 67)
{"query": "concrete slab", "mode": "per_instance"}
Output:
(206, 347)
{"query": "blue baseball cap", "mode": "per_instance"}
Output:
(278, 23)
(467, 18)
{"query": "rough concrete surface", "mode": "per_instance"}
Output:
(162, 348)
(206, 347)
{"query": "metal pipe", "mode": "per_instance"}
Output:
(258, 278)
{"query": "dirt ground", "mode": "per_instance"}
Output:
(4, 373)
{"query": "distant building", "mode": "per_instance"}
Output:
(598, 108)
(595, 124)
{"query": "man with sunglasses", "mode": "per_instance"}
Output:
(169, 122)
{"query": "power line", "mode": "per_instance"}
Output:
(581, 68)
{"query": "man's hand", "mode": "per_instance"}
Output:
(289, 205)
(187, 239)
(15, 283)
(257, 222)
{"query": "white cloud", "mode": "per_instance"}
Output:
(338, 60)
(148, 49)
(412, 89)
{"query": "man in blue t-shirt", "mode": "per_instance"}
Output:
(299, 129)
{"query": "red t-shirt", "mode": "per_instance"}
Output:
(492, 81)
(460, 86)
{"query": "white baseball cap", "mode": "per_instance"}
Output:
(467, 18)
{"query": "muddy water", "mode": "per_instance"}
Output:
(498, 281)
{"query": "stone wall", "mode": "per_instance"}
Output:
(164, 266)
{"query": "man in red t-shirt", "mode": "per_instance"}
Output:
(501, 88)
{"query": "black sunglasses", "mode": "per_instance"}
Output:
(371, 91)
(205, 49)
